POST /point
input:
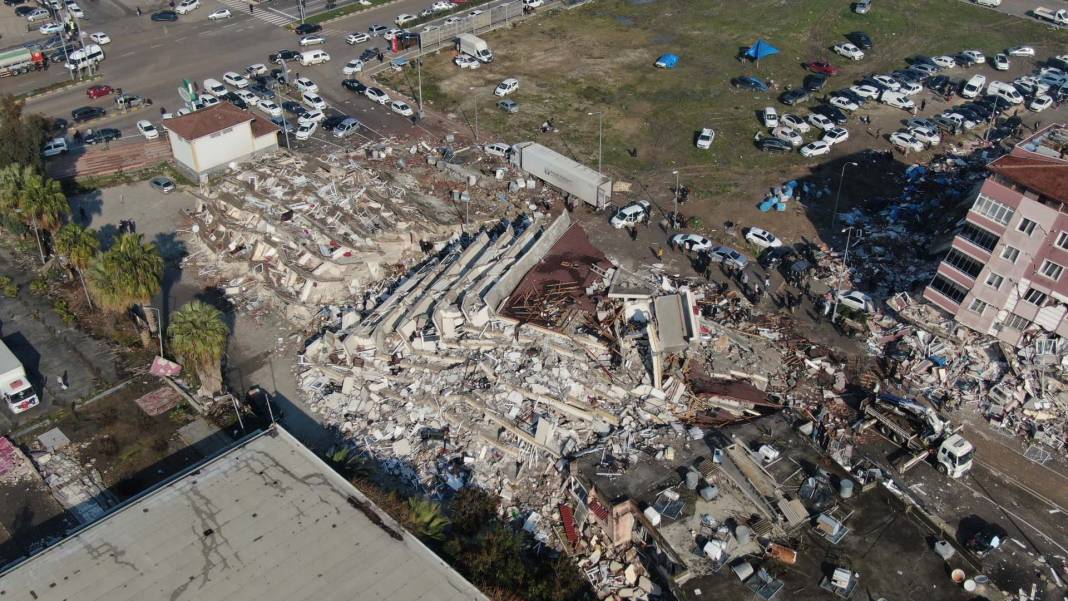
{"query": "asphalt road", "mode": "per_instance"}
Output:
(1022, 8)
(151, 60)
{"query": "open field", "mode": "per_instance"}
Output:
(600, 58)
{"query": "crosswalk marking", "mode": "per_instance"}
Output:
(263, 13)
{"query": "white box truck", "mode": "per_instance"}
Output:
(14, 385)
(472, 45)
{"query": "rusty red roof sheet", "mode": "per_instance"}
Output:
(208, 121)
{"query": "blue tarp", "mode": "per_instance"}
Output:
(761, 49)
(667, 61)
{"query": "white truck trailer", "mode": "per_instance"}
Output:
(14, 385)
(555, 169)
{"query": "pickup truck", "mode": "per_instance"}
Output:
(1057, 17)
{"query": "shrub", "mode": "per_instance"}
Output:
(8, 287)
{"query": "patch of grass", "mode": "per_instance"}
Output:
(89, 184)
(8, 287)
(600, 58)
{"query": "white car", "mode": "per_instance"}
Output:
(762, 238)
(356, 38)
(453, 19)
(905, 141)
(305, 130)
(974, 55)
(311, 117)
(1020, 51)
(631, 214)
(691, 242)
(206, 99)
(312, 40)
(474, 13)
(50, 28)
(961, 121)
(770, 117)
(75, 10)
(100, 38)
(705, 138)
(815, 149)
(401, 108)
(849, 51)
(836, 135)
(1001, 62)
(269, 108)
(147, 130)
(430, 28)
(909, 88)
(506, 87)
(235, 79)
(466, 61)
(821, 122)
(865, 91)
(856, 300)
(887, 81)
(391, 33)
(353, 66)
(786, 134)
(256, 69)
(795, 122)
(944, 61)
(497, 149)
(1040, 103)
(927, 135)
(38, 14)
(305, 85)
(441, 6)
(313, 100)
(974, 86)
(186, 6)
(222, 13)
(403, 19)
(843, 102)
(377, 95)
(249, 98)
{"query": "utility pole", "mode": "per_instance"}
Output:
(675, 210)
(285, 122)
(845, 264)
(600, 138)
(476, 120)
(838, 196)
(419, 75)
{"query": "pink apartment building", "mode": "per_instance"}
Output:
(1005, 273)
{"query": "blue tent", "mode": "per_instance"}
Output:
(760, 49)
(667, 61)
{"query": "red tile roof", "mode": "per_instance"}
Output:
(262, 127)
(1046, 176)
(208, 121)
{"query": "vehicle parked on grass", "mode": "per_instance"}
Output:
(770, 117)
(834, 114)
(842, 102)
(815, 149)
(836, 135)
(905, 141)
(849, 51)
(751, 83)
(497, 149)
(508, 105)
(465, 61)
(691, 242)
(865, 91)
(822, 67)
(705, 137)
(787, 134)
(795, 122)
(1005, 92)
(474, 46)
(820, 122)
(769, 144)
(814, 82)
(632, 214)
(794, 96)
(944, 61)
(897, 100)
(975, 56)
(861, 39)
(1000, 62)
(1020, 51)
(506, 87)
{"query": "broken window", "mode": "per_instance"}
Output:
(1051, 270)
(992, 210)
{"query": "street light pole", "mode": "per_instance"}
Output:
(285, 122)
(600, 138)
(419, 74)
(838, 196)
(845, 264)
(675, 210)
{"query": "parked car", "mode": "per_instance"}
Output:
(401, 108)
(822, 67)
(218, 15)
(370, 54)
(270, 108)
(770, 117)
(87, 113)
(352, 67)
(795, 96)
(691, 242)
(506, 87)
(50, 28)
(377, 95)
(836, 135)
(146, 129)
(832, 113)
(815, 149)
(98, 91)
(705, 137)
(795, 122)
(726, 254)
(786, 134)
(307, 28)
(865, 90)
(102, 136)
(1040, 102)
(762, 238)
(905, 141)
(497, 149)
(927, 134)
(944, 61)
(751, 83)
(312, 116)
(842, 102)
(1020, 51)
(849, 51)
(284, 55)
(508, 105)
(356, 38)
(294, 108)
(773, 145)
(1000, 62)
(821, 122)
(466, 61)
(861, 39)
(235, 79)
(814, 82)
(312, 40)
(631, 214)
(355, 86)
(186, 6)
(858, 301)
(346, 127)
(305, 131)
(163, 184)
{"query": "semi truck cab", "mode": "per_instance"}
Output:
(954, 456)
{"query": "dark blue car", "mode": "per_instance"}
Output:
(750, 82)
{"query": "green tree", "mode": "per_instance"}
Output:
(198, 336)
(23, 135)
(497, 559)
(472, 510)
(427, 519)
(129, 274)
(80, 245)
(29, 198)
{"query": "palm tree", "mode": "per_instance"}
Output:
(427, 519)
(128, 274)
(11, 177)
(198, 336)
(79, 244)
(43, 201)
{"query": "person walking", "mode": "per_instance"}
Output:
(138, 11)
(767, 282)
(251, 8)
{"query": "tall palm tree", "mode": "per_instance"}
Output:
(79, 244)
(128, 274)
(43, 202)
(198, 336)
(11, 177)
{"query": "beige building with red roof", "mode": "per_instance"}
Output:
(1005, 273)
(209, 140)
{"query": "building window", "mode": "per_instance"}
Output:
(993, 210)
(1017, 323)
(949, 289)
(1035, 297)
(1026, 226)
(977, 306)
(1051, 270)
(1062, 240)
(994, 280)
(1010, 254)
(979, 237)
(963, 263)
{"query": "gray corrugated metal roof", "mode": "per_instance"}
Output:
(265, 521)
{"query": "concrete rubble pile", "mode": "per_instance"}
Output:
(79, 489)
(296, 233)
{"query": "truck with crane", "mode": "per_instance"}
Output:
(19, 60)
(920, 431)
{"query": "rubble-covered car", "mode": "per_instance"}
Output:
(631, 214)
(762, 238)
(856, 300)
(691, 242)
(726, 254)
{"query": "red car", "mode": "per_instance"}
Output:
(98, 91)
(822, 67)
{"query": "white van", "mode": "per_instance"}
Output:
(84, 57)
(54, 147)
(897, 100)
(313, 57)
(214, 87)
(988, 2)
(1005, 91)
(973, 87)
